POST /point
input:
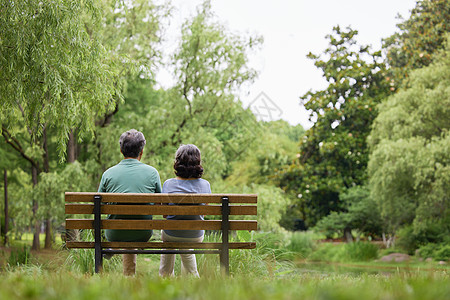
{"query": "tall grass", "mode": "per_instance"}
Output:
(347, 252)
(19, 256)
(83, 260)
(66, 285)
(261, 273)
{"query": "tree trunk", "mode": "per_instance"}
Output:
(48, 223)
(71, 147)
(48, 234)
(348, 235)
(71, 234)
(5, 241)
(36, 243)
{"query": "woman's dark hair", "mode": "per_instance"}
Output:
(187, 162)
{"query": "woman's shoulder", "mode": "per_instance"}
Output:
(169, 181)
(204, 181)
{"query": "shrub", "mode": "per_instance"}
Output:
(435, 251)
(410, 238)
(361, 251)
(19, 256)
(301, 244)
(327, 252)
(358, 251)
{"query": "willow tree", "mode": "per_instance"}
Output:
(209, 65)
(409, 165)
(54, 74)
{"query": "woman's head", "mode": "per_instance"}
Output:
(188, 162)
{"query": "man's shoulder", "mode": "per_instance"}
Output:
(148, 168)
(111, 169)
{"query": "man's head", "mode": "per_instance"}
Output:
(132, 143)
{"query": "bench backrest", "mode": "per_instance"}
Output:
(137, 204)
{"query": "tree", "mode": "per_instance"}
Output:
(420, 37)
(202, 106)
(362, 215)
(53, 75)
(333, 154)
(409, 165)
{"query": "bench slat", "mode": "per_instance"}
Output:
(160, 209)
(161, 224)
(159, 198)
(160, 245)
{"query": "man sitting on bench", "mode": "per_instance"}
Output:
(130, 176)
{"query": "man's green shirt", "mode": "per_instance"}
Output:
(130, 176)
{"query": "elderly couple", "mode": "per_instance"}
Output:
(133, 176)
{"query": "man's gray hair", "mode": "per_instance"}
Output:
(131, 143)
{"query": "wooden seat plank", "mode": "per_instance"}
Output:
(161, 224)
(124, 209)
(159, 245)
(159, 198)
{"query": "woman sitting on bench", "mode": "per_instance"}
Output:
(189, 171)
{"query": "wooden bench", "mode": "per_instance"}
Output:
(98, 204)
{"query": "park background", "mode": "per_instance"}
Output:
(369, 176)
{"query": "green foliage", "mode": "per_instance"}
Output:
(409, 164)
(348, 252)
(271, 203)
(362, 215)
(19, 256)
(301, 244)
(410, 239)
(53, 72)
(201, 108)
(436, 251)
(361, 251)
(420, 38)
(333, 153)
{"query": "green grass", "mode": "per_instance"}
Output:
(27, 239)
(38, 284)
(279, 268)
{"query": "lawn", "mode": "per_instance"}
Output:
(257, 274)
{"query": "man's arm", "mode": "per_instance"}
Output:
(102, 186)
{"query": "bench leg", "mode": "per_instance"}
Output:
(98, 259)
(225, 253)
(225, 261)
(98, 234)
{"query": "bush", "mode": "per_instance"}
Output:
(327, 252)
(410, 238)
(19, 256)
(435, 251)
(301, 244)
(358, 251)
(361, 251)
